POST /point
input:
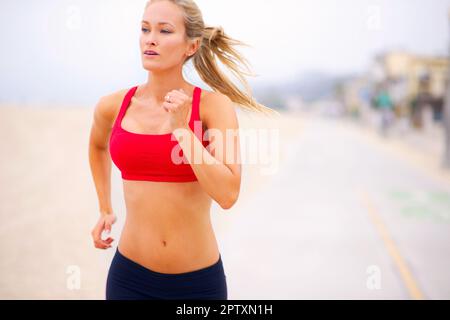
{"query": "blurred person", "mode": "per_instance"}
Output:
(438, 108)
(383, 102)
(422, 100)
(167, 249)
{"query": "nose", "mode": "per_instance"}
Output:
(150, 39)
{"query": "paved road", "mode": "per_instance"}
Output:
(344, 217)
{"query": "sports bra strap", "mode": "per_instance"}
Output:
(126, 100)
(195, 115)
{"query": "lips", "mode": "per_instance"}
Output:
(150, 53)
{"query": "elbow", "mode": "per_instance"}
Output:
(227, 204)
(230, 197)
(229, 201)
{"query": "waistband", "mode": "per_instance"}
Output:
(203, 272)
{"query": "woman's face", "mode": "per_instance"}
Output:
(163, 31)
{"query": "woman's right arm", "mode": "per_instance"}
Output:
(100, 164)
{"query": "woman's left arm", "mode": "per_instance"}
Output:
(218, 170)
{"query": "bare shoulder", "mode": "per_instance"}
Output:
(214, 99)
(215, 106)
(108, 106)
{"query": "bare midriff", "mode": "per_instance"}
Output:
(167, 227)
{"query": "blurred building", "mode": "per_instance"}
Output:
(415, 83)
(355, 95)
(411, 69)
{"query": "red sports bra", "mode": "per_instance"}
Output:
(149, 156)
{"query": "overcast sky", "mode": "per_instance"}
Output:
(74, 51)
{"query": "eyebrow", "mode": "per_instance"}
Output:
(159, 23)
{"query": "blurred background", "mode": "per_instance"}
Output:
(349, 196)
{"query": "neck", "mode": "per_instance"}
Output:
(160, 83)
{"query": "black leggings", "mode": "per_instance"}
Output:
(128, 280)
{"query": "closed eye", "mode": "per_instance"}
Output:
(145, 30)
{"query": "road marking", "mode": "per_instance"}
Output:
(393, 251)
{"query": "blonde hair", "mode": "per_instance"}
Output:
(216, 43)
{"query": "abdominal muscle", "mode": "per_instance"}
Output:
(168, 227)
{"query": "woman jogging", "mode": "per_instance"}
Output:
(154, 134)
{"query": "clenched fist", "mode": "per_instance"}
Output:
(178, 104)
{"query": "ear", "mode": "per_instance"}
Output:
(193, 46)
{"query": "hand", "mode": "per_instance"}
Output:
(179, 108)
(104, 223)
